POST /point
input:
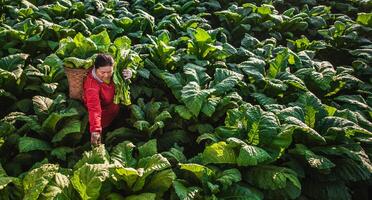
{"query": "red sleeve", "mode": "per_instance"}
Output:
(94, 109)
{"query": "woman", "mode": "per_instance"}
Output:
(98, 95)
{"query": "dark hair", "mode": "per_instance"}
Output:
(103, 60)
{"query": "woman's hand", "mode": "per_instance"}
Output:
(95, 139)
(127, 74)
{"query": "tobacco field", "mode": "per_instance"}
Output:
(229, 100)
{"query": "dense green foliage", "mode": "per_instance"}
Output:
(263, 99)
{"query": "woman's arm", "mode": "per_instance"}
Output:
(94, 109)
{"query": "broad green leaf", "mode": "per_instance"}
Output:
(334, 125)
(219, 153)
(137, 112)
(254, 68)
(123, 154)
(87, 180)
(150, 165)
(228, 177)
(263, 100)
(5, 179)
(261, 125)
(36, 180)
(143, 196)
(164, 115)
(49, 125)
(312, 107)
(13, 62)
(240, 192)
(200, 171)
(315, 161)
(270, 177)
(210, 105)
(174, 82)
(59, 187)
(365, 19)
(102, 41)
(202, 36)
(225, 80)
(148, 149)
(77, 63)
(196, 73)
(41, 104)
(278, 64)
(141, 125)
(27, 144)
(249, 155)
(71, 127)
(61, 152)
(194, 96)
(185, 193)
(160, 182)
(97, 155)
(129, 175)
(84, 47)
(183, 112)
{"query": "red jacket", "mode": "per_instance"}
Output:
(98, 98)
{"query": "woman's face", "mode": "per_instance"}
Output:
(105, 73)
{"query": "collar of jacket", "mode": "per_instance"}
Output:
(95, 75)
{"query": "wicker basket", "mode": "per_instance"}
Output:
(75, 78)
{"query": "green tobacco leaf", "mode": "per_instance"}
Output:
(278, 64)
(185, 193)
(315, 161)
(77, 63)
(228, 177)
(160, 182)
(137, 112)
(225, 80)
(365, 19)
(164, 115)
(148, 149)
(194, 97)
(41, 104)
(333, 125)
(143, 196)
(102, 41)
(97, 155)
(5, 179)
(270, 177)
(261, 125)
(84, 47)
(87, 180)
(183, 112)
(312, 107)
(59, 187)
(249, 155)
(123, 154)
(36, 180)
(49, 125)
(200, 171)
(27, 144)
(129, 175)
(71, 127)
(240, 192)
(61, 152)
(196, 73)
(219, 153)
(150, 165)
(13, 62)
(141, 125)
(254, 68)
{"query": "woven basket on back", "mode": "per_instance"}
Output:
(75, 78)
